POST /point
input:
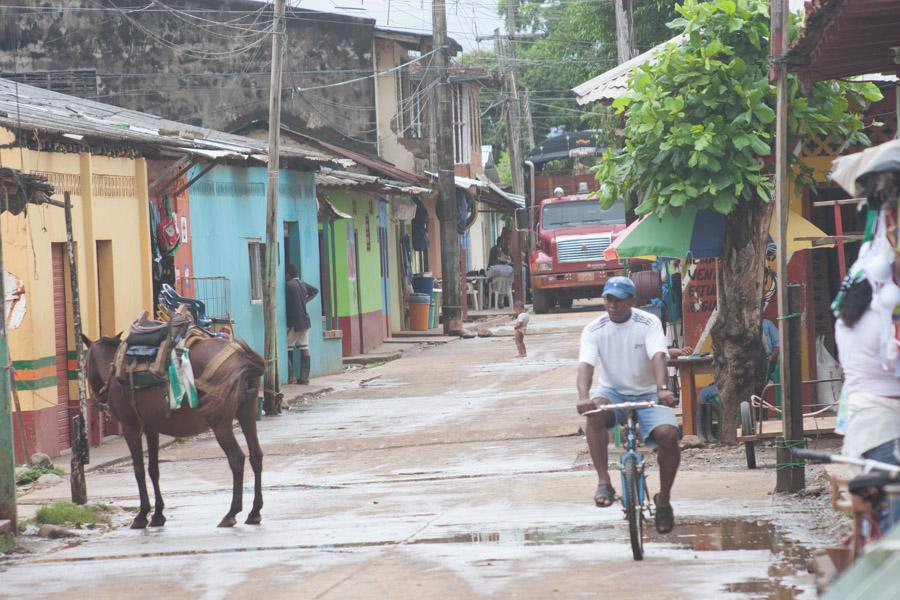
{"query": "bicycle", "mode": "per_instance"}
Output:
(635, 497)
(867, 497)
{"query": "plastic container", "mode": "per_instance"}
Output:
(423, 283)
(435, 308)
(419, 306)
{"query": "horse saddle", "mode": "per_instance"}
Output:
(142, 359)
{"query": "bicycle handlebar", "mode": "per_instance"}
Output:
(620, 406)
(866, 464)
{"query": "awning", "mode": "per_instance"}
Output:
(328, 211)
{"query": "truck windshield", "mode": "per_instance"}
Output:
(581, 212)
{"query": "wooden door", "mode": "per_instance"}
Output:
(63, 412)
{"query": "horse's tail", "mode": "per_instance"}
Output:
(237, 382)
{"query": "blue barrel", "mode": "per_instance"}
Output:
(423, 284)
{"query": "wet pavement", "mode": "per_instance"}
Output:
(454, 472)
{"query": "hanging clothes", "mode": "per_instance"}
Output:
(420, 228)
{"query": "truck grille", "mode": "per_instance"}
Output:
(580, 249)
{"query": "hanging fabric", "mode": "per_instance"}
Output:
(167, 233)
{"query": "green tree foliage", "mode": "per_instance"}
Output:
(700, 118)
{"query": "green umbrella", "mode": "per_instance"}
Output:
(692, 232)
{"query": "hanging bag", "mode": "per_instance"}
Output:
(167, 234)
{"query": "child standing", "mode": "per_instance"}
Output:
(520, 327)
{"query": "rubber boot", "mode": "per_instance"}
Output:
(292, 368)
(304, 367)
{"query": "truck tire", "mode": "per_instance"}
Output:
(542, 302)
(564, 302)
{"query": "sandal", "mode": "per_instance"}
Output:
(605, 495)
(664, 517)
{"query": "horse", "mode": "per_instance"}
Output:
(231, 394)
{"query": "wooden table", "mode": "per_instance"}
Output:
(688, 369)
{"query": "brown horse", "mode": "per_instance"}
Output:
(232, 394)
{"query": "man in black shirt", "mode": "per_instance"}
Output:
(297, 294)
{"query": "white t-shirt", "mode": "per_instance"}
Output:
(624, 351)
(861, 360)
(522, 321)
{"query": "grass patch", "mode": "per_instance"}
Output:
(6, 544)
(34, 472)
(67, 513)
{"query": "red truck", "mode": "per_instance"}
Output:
(570, 235)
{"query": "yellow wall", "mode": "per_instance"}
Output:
(109, 203)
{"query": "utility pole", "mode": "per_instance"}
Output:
(272, 393)
(451, 306)
(791, 474)
(529, 120)
(80, 446)
(625, 30)
(514, 132)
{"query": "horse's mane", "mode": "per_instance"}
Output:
(236, 381)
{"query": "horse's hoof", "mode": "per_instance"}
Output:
(253, 520)
(228, 522)
(139, 523)
(157, 521)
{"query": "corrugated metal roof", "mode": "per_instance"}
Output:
(331, 178)
(614, 83)
(35, 109)
(375, 164)
(847, 37)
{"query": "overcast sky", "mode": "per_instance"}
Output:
(466, 19)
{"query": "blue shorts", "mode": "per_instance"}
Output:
(648, 418)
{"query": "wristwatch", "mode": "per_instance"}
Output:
(662, 388)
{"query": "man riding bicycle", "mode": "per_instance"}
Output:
(629, 347)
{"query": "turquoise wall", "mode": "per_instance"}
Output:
(228, 210)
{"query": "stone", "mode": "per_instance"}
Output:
(39, 459)
(49, 479)
(485, 331)
(466, 334)
(54, 532)
(691, 441)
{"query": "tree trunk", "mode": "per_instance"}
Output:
(739, 357)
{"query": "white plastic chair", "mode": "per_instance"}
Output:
(473, 295)
(501, 287)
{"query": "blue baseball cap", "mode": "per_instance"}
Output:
(620, 287)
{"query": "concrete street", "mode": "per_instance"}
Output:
(456, 471)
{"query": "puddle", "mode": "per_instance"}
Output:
(788, 559)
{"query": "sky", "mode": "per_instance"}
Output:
(466, 19)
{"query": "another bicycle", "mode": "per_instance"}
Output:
(635, 497)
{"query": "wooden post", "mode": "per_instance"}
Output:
(839, 233)
(451, 300)
(791, 476)
(272, 393)
(80, 447)
(7, 443)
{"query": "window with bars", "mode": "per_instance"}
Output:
(257, 253)
(410, 106)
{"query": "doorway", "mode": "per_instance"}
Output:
(64, 412)
(292, 246)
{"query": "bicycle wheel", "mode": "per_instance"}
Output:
(747, 429)
(632, 501)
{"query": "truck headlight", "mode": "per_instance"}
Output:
(544, 267)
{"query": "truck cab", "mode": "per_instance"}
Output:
(570, 235)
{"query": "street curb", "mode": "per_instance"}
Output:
(370, 359)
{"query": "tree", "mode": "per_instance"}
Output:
(699, 123)
(579, 43)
